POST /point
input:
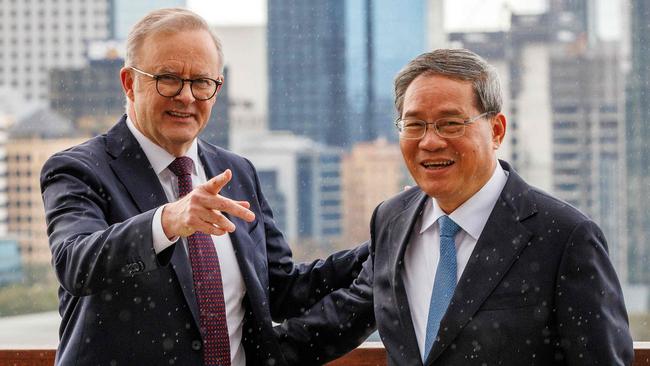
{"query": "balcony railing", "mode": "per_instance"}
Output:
(368, 354)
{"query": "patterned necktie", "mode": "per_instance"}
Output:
(207, 279)
(444, 283)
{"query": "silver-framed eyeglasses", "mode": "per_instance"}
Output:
(447, 127)
(170, 85)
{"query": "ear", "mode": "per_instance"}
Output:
(498, 129)
(126, 76)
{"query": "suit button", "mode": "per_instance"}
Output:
(196, 345)
(140, 266)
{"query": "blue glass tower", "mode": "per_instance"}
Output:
(332, 64)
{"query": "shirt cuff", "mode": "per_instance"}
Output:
(160, 241)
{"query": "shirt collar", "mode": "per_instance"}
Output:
(472, 215)
(158, 157)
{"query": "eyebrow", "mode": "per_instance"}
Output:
(451, 112)
(165, 71)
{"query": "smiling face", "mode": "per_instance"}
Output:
(450, 170)
(171, 123)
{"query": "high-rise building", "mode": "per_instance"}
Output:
(370, 173)
(91, 96)
(125, 13)
(10, 105)
(436, 35)
(332, 64)
(301, 180)
(579, 14)
(36, 36)
(637, 146)
(588, 138)
(217, 131)
(51, 133)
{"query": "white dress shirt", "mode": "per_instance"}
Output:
(233, 282)
(423, 250)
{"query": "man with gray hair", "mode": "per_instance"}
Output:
(473, 266)
(164, 246)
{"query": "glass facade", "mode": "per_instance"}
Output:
(331, 65)
(637, 146)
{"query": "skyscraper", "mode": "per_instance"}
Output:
(332, 64)
(637, 146)
(51, 133)
(370, 173)
(302, 182)
(36, 36)
(588, 137)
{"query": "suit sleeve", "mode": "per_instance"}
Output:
(591, 317)
(88, 254)
(295, 287)
(337, 324)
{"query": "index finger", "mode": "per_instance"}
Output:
(217, 183)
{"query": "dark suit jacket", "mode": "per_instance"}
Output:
(539, 289)
(121, 303)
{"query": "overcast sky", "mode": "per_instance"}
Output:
(483, 13)
(460, 15)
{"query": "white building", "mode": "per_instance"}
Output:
(38, 35)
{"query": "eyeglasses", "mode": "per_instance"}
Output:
(169, 85)
(447, 127)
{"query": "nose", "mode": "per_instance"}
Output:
(185, 96)
(431, 140)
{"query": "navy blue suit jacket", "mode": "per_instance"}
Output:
(539, 289)
(121, 303)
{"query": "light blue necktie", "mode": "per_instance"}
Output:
(445, 282)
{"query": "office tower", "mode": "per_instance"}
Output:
(301, 179)
(588, 136)
(370, 173)
(50, 133)
(637, 146)
(10, 106)
(90, 96)
(125, 13)
(581, 14)
(217, 131)
(36, 36)
(332, 64)
(436, 36)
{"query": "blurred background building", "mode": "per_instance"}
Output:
(331, 64)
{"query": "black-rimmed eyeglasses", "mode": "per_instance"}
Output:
(170, 85)
(447, 127)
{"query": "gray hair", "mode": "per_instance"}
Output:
(458, 64)
(168, 20)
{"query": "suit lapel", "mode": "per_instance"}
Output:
(400, 229)
(253, 275)
(498, 247)
(144, 187)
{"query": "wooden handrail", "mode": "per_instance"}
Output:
(368, 354)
